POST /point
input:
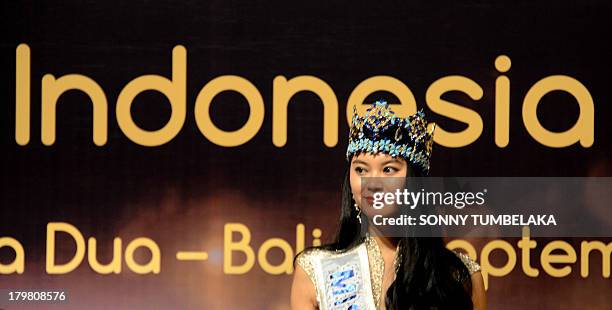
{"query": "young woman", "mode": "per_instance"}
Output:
(367, 269)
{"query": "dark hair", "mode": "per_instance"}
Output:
(429, 276)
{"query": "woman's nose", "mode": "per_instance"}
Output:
(374, 184)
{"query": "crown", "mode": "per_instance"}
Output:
(381, 131)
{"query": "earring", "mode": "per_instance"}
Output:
(358, 209)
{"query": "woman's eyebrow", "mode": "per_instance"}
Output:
(357, 161)
(394, 160)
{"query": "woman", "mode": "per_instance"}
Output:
(367, 269)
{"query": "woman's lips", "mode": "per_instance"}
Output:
(370, 200)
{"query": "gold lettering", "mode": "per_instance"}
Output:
(284, 90)
(202, 110)
(174, 90)
(454, 111)
(583, 129)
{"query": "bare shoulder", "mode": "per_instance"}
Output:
(303, 293)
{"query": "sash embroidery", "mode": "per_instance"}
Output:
(342, 286)
(344, 280)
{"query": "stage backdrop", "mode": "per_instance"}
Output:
(149, 159)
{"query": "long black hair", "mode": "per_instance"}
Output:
(429, 276)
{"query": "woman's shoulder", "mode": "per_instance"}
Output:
(310, 253)
(469, 263)
(306, 258)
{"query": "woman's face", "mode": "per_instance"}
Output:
(372, 173)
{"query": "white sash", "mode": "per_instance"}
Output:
(343, 280)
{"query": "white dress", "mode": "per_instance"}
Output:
(352, 279)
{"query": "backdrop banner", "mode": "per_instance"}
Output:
(179, 154)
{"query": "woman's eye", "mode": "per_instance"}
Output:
(390, 170)
(359, 170)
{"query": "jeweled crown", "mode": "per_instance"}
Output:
(381, 131)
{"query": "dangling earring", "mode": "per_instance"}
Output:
(358, 209)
